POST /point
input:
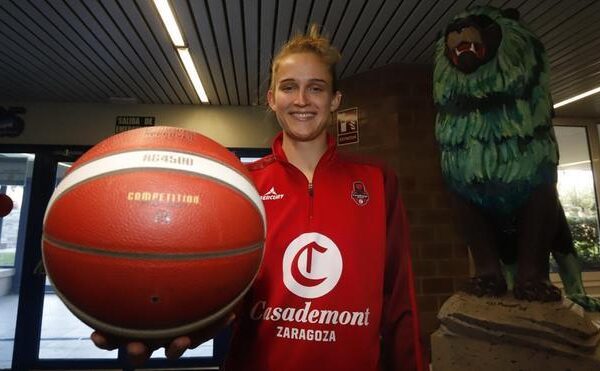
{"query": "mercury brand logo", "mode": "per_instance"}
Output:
(271, 195)
(312, 265)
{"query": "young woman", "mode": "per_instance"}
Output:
(335, 290)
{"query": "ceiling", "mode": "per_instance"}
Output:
(119, 51)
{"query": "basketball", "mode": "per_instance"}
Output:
(153, 233)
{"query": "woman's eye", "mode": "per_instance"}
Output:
(316, 89)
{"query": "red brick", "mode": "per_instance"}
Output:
(423, 89)
(436, 250)
(415, 103)
(429, 321)
(426, 119)
(407, 184)
(425, 165)
(447, 233)
(406, 117)
(412, 216)
(442, 298)
(441, 200)
(435, 217)
(388, 103)
(459, 282)
(437, 285)
(421, 234)
(460, 250)
(417, 200)
(432, 182)
(403, 88)
(418, 285)
(427, 303)
(419, 133)
(453, 268)
(425, 268)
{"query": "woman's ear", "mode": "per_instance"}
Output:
(335, 102)
(271, 100)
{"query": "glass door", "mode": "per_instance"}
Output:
(63, 335)
(15, 183)
(577, 193)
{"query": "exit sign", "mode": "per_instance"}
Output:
(125, 123)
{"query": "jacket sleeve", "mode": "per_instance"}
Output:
(400, 331)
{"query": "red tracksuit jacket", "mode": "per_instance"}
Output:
(335, 290)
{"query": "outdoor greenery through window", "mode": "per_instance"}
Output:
(578, 195)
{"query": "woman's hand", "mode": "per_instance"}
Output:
(139, 351)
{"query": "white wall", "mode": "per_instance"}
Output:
(87, 124)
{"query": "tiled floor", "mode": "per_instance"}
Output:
(63, 335)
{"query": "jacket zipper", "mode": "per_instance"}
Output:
(310, 201)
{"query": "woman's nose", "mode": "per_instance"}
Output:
(301, 99)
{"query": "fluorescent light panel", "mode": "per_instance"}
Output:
(188, 63)
(168, 18)
(573, 164)
(577, 97)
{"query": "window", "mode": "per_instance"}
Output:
(577, 194)
(64, 335)
(15, 182)
(577, 187)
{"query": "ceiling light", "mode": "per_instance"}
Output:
(188, 63)
(573, 164)
(577, 97)
(166, 13)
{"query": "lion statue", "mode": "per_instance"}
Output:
(499, 156)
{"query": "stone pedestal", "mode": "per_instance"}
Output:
(503, 334)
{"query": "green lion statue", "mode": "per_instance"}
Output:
(499, 156)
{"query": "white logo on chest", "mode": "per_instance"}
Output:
(312, 265)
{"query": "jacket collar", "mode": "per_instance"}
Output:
(277, 149)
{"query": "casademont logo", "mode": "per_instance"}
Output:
(312, 265)
(271, 195)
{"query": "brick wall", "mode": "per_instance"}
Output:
(396, 120)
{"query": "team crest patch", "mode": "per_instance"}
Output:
(359, 193)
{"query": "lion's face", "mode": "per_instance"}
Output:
(472, 42)
(486, 51)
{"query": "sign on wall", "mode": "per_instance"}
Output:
(125, 123)
(347, 126)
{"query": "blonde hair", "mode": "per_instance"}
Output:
(311, 42)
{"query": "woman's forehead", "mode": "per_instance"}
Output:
(304, 66)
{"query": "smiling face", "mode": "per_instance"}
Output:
(302, 96)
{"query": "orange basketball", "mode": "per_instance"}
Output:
(153, 233)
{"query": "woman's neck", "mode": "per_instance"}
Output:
(305, 155)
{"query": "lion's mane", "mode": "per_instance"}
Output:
(494, 125)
